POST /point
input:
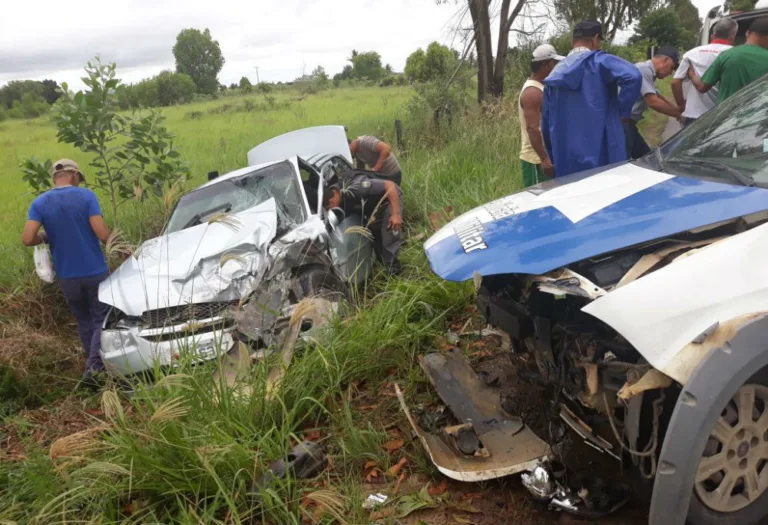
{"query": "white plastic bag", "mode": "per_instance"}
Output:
(43, 264)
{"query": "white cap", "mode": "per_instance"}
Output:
(545, 52)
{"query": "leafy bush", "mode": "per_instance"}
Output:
(173, 88)
(3, 113)
(130, 154)
(437, 62)
(37, 174)
(263, 87)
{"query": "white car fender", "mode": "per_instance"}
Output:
(676, 315)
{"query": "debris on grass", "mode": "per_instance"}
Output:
(395, 469)
(375, 500)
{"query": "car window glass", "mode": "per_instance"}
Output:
(277, 181)
(734, 134)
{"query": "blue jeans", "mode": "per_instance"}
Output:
(82, 296)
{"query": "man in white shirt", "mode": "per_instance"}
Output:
(700, 58)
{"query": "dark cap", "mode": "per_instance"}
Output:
(588, 29)
(669, 51)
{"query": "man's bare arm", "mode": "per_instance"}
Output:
(700, 86)
(677, 91)
(384, 150)
(531, 101)
(393, 196)
(31, 235)
(662, 105)
(99, 227)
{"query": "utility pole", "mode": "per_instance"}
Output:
(257, 74)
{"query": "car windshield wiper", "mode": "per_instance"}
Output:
(196, 219)
(744, 180)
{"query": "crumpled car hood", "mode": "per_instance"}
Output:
(573, 218)
(205, 263)
(302, 143)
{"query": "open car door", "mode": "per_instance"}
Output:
(303, 143)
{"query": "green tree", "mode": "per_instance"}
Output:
(199, 56)
(614, 15)
(245, 85)
(345, 74)
(437, 62)
(743, 5)
(174, 88)
(689, 18)
(366, 65)
(14, 90)
(320, 77)
(130, 154)
(663, 27)
(51, 91)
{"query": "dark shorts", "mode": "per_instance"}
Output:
(532, 173)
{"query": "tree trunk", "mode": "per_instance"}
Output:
(482, 26)
(506, 19)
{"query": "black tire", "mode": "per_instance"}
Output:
(755, 513)
(318, 281)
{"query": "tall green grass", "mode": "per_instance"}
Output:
(199, 459)
(213, 135)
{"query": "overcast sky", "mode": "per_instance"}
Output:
(54, 39)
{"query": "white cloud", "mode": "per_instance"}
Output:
(51, 39)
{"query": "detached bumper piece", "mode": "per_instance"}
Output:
(483, 441)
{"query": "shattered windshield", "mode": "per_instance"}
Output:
(729, 143)
(241, 193)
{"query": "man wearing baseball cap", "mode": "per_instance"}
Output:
(73, 223)
(585, 97)
(534, 158)
(665, 61)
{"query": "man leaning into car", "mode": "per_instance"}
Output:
(73, 226)
(380, 202)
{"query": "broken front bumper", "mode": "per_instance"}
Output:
(487, 442)
(127, 351)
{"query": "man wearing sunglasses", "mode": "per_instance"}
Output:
(585, 98)
(73, 223)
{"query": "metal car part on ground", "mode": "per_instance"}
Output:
(631, 295)
(190, 293)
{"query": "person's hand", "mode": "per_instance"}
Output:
(395, 222)
(547, 168)
(691, 72)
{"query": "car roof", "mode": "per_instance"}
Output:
(243, 171)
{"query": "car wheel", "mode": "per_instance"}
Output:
(319, 281)
(731, 483)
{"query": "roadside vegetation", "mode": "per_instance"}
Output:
(186, 450)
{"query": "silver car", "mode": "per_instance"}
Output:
(235, 255)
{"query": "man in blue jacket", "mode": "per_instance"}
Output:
(585, 98)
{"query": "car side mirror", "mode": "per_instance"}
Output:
(335, 216)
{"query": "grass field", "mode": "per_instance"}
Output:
(184, 452)
(217, 138)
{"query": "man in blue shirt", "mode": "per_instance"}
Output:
(585, 98)
(73, 226)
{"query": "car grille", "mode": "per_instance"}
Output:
(187, 312)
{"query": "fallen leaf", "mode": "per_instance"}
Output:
(481, 353)
(418, 236)
(392, 446)
(96, 412)
(400, 480)
(438, 489)
(386, 512)
(472, 495)
(312, 435)
(395, 469)
(462, 520)
(128, 508)
(368, 407)
(370, 464)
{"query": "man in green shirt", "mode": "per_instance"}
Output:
(739, 66)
